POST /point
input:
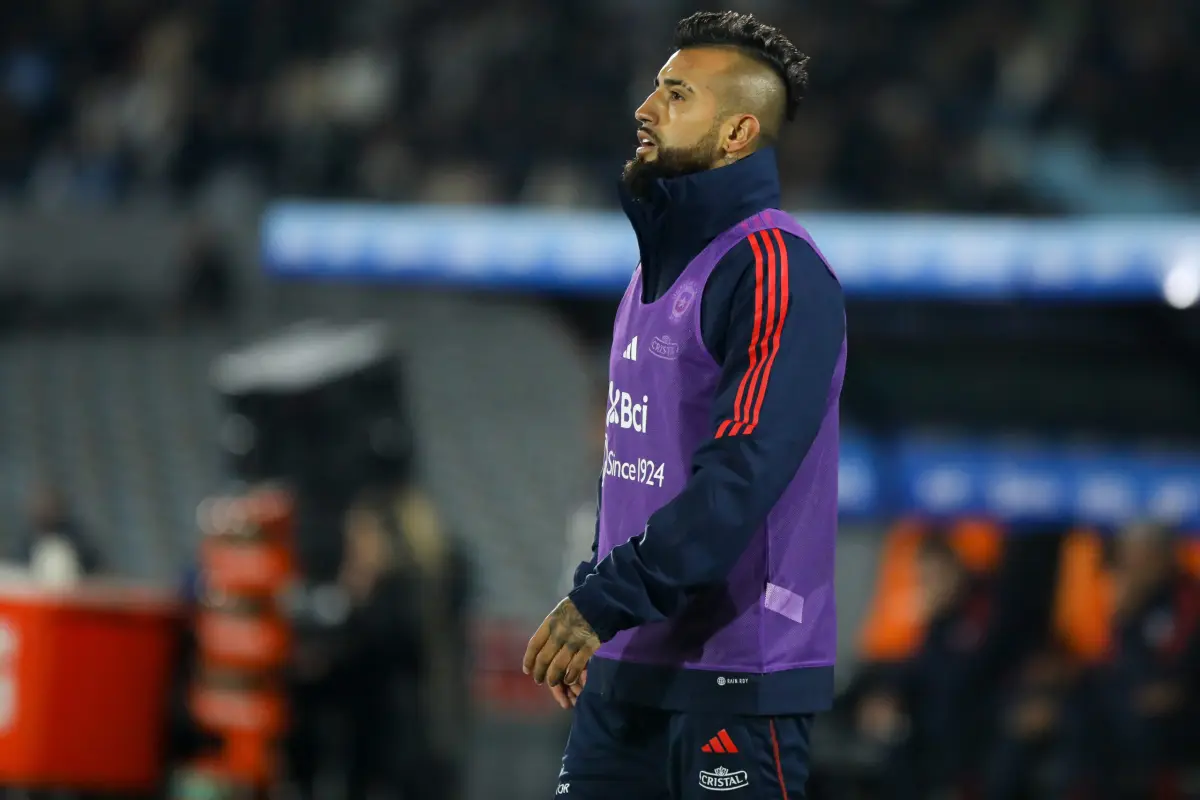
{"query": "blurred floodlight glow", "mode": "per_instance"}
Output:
(1181, 284)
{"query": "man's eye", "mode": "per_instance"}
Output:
(676, 96)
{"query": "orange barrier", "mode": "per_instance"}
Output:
(895, 623)
(1083, 601)
(84, 679)
(1083, 606)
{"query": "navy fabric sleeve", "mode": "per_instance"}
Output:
(784, 332)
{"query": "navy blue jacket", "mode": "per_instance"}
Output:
(736, 479)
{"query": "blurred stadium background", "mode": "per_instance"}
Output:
(375, 243)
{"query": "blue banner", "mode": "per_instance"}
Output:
(1016, 482)
(874, 255)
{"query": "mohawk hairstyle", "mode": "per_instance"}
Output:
(765, 44)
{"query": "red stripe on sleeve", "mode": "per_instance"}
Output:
(765, 344)
(754, 339)
(779, 320)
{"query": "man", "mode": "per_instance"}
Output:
(389, 663)
(55, 547)
(1132, 722)
(915, 708)
(711, 588)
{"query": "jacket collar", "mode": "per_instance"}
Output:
(684, 214)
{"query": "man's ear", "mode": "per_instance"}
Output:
(742, 134)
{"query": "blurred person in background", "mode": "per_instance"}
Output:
(725, 376)
(206, 292)
(1133, 717)
(394, 666)
(914, 709)
(54, 544)
(186, 739)
(1023, 754)
(384, 663)
(1025, 668)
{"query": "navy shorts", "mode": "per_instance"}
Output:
(619, 751)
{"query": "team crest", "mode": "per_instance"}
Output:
(685, 295)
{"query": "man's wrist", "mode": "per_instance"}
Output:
(588, 599)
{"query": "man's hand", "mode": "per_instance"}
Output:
(566, 694)
(561, 647)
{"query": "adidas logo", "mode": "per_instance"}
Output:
(721, 743)
(631, 351)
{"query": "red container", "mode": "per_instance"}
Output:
(84, 678)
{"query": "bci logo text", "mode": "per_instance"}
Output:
(623, 412)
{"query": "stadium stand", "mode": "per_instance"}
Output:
(127, 424)
(987, 106)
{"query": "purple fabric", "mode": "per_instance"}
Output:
(776, 610)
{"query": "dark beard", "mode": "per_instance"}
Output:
(639, 176)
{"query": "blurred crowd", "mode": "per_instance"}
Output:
(990, 105)
(1035, 665)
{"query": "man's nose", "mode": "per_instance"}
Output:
(645, 113)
